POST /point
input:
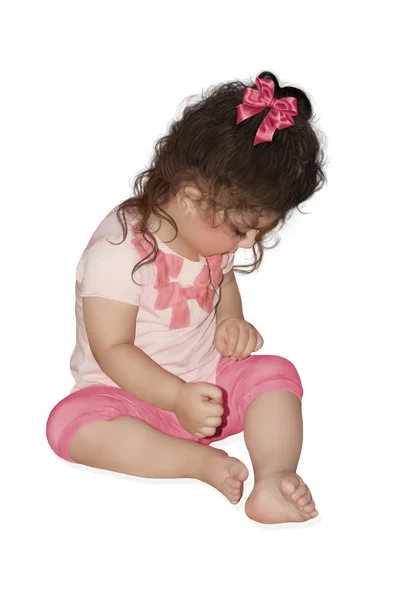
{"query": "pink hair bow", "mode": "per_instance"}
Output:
(279, 117)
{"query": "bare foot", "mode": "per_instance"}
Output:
(224, 473)
(280, 497)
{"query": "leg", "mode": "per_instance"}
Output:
(131, 446)
(106, 428)
(264, 395)
(273, 432)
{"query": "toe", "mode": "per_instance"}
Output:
(290, 484)
(301, 491)
(233, 489)
(233, 495)
(306, 499)
(309, 508)
(234, 483)
(238, 470)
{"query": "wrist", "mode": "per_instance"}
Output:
(176, 394)
(225, 318)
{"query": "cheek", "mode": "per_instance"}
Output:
(222, 243)
(214, 240)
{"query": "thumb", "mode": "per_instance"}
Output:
(212, 392)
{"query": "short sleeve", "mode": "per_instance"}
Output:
(105, 271)
(227, 262)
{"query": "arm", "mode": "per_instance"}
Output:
(230, 303)
(111, 328)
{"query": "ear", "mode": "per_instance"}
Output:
(189, 197)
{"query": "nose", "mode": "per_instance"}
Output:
(248, 241)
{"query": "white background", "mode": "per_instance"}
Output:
(87, 88)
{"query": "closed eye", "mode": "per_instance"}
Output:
(240, 234)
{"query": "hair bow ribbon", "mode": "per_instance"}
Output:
(280, 115)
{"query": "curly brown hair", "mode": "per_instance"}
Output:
(206, 147)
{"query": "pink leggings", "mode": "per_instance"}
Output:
(240, 382)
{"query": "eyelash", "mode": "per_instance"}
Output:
(240, 234)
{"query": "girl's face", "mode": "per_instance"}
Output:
(236, 234)
(224, 237)
(197, 236)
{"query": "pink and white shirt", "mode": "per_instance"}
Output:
(176, 318)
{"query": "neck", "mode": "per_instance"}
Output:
(166, 232)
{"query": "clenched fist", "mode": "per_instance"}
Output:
(199, 408)
(237, 338)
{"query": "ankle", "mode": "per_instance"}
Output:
(208, 461)
(266, 470)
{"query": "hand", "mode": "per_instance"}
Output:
(199, 408)
(237, 338)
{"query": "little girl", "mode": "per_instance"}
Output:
(163, 362)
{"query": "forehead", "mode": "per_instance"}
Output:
(253, 221)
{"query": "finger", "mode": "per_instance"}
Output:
(213, 409)
(213, 406)
(212, 421)
(242, 343)
(216, 401)
(232, 334)
(207, 431)
(211, 394)
(250, 346)
(199, 435)
(219, 341)
(259, 343)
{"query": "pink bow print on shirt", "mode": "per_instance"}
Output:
(173, 294)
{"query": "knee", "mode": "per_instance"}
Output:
(276, 367)
(286, 367)
(58, 423)
(54, 429)
(76, 411)
(270, 372)
(66, 437)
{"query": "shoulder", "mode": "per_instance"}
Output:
(106, 268)
(110, 242)
(111, 252)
